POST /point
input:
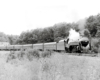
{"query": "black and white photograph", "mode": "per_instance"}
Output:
(49, 39)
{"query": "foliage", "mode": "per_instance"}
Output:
(93, 24)
(13, 39)
(49, 34)
(99, 50)
(32, 53)
(3, 37)
(46, 54)
(95, 50)
(11, 56)
(29, 54)
(95, 45)
(86, 33)
(61, 30)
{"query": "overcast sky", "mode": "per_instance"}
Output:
(22, 15)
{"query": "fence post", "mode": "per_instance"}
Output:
(13, 47)
(43, 46)
(32, 46)
(64, 45)
(56, 46)
(6, 47)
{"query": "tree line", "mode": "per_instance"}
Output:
(54, 33)
(49, 34)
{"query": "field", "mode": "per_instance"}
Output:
(59, 66)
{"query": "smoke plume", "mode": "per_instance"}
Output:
(81, 24)
(73, 35)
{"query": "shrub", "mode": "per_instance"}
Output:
(11, 56)
(95, 45)
(94, 41)
(20, 54)
(98, 50)
(95, 50)
(46, 54)
(32, 53)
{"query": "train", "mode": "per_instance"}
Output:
(40, 46)
(79, 46)
(82, 45)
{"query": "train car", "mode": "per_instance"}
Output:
(18, 47)
(61, 45)
(50, 46)
(7, 48)
(38, 46)
(2, 47)
(10, 47)
(27, 46)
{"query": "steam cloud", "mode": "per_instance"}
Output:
(81, 24)
(73, 36)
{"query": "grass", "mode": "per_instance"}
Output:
(69, 67)
(30, 54)
(56, 67)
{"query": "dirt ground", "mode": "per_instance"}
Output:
(57, 67)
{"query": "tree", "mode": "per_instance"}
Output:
(13, 39)
(91, 25)
(61, 30)
(3, 37)
(47, 35)
(87, 33)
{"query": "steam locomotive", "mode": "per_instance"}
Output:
(82, 45)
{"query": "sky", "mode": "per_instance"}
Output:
(17, 16)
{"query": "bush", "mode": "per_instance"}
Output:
(29, 54)
(11, 56)
(32, 53)
(21, 54)
(95, 50)
(95, 45)
(98, 50)
(46, 54)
